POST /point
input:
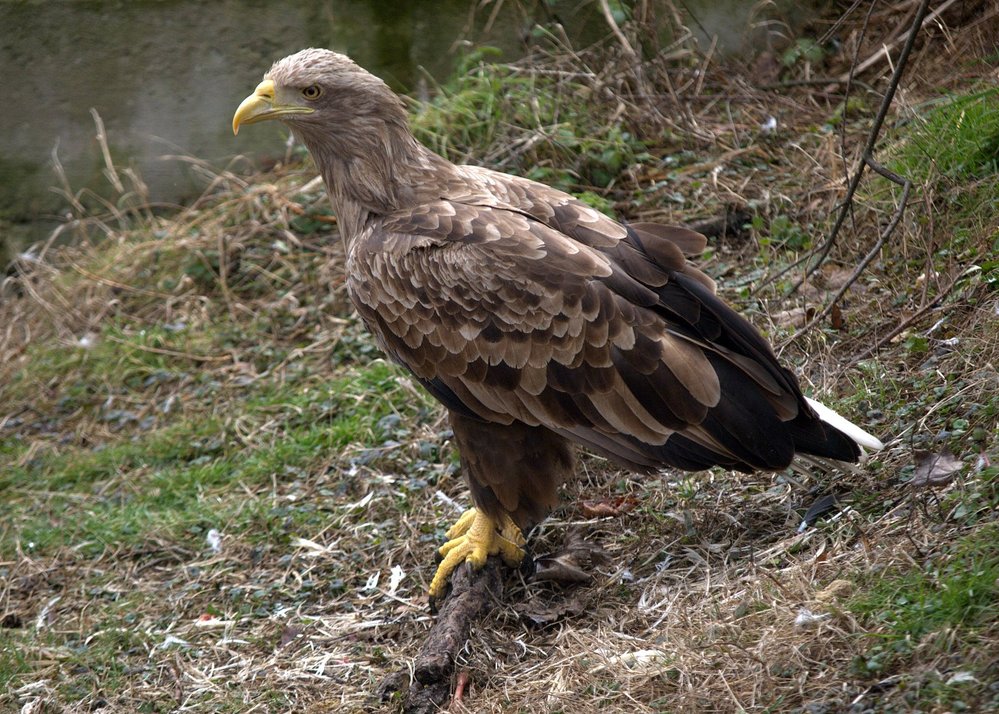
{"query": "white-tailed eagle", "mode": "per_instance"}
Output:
(537, 321)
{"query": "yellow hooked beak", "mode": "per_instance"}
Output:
(261, 106)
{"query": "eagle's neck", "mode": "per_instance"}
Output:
(379, 169)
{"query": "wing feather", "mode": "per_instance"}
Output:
(519, 303)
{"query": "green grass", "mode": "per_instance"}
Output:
(956, 590)
(956, 137)
(151, 493)
(950, 152)
(170, 482)
(117, 355)
(487, 107)
(932, 619)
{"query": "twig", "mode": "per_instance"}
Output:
(849, 89)
(635, 58)
(65, 189)
(171, 353)
(471, 594)
(609, 16)
(773, 277)
(836, 25)
(223, 250)
(868, 152)
(117, 285)
(885, 234)
(809, 254)
(900, 327)
(820, 81)
(916, 26)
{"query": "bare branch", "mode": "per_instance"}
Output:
(904, 324)
(871, 255)
(885, 49)
(872, 139)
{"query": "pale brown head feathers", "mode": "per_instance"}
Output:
(356, 129)
(348, 102)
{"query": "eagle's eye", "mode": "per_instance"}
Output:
(312, 91)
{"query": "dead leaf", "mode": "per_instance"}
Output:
(572, 562)
(833, 277)
(836, 317)
(836, 590)
(766, 68)
(607, 507)
(795, 317)
(934, 469)
(538, 613)
(289, 635)
(562, 568)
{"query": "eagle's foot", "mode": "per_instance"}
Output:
(472, 539)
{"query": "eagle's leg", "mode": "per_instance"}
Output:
(473, 538)
(513, 472)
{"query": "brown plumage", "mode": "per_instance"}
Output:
(536, 320)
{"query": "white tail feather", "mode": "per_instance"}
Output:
(863, 438)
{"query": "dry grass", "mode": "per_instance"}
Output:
(220, 498)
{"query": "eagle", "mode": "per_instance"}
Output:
(537, 321)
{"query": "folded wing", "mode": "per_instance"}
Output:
(512, 306)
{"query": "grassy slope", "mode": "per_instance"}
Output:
(175, 380)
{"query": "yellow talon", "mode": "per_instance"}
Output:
(473, 538)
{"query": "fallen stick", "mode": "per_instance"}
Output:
(471, 594)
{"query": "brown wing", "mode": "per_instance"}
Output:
(561, 317)
(655, 242)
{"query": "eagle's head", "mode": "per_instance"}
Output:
(318, 92)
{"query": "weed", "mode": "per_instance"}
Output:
(956, 137)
